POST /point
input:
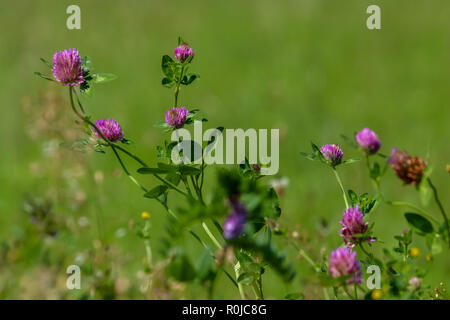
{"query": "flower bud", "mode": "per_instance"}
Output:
(183, 51)
(368, 140)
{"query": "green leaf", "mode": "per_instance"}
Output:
(375, 171)
(88, 91)
(189, 78)
(204, 265)
(103, 77)
(146, 170)
(293, 296)
(167, 167)
(174, 178)
(87, 64)
(44, 76)
(352, 160)
(156, 192)
(161, 124)
(425, 192)
(166, 82)
(188, 170)
(353, 197)
(48, 64)
(308, 156)
(245, 278)
(181, 268)
(434, 243)
(168, 66)
(180, 40)
(419, 222)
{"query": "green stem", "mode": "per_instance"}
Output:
(261, 293)
(347, 293)
(441, 207)
(341, 186)
(211, 236)
(368, 254)
(237, 268)
(325, 293)
(177, 89)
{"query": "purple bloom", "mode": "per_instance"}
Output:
(183, 52)
(67, 68)
(110, 129)
(352, 225)
(332, 153)
(343, 262)
(234, 224)
(176, 117)
(368, 140)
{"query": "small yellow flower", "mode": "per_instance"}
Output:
(429, 257)
(377, 294)
(145, 215)
(414, 252)
(448, 168)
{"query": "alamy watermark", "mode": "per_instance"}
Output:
(239, 145)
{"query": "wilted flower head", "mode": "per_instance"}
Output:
(332, 153)
(176, 117)
(234, 224)
(110, 129)
(368, 140)
(415, 283)
(407, 168)
(280, 185)
(183, 51)
(67, 67)
(343, 262)
(352, 225)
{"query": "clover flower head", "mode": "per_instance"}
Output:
(415, 283)
(235, 222)
(110, 129)
(368, 140)
(343, 262)
(183, 51)
(409, 169)
(67, 68)
(176, 117)
(332, 153)
(353, 225)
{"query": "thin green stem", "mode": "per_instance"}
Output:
(237, 270)
(341, 186)
(211, 236)
(441, 207)
(325, 293)
(368, 254)
(347, 292)
(261, 293)
(177, 88)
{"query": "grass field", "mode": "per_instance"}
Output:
(310, 68)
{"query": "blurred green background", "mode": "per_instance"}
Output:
(308, 67)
